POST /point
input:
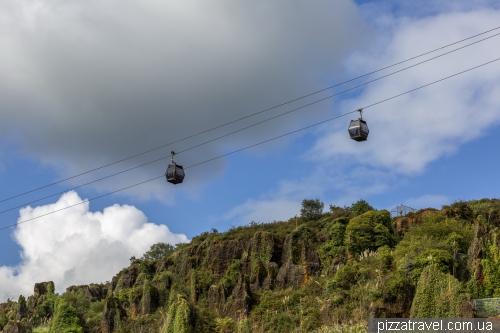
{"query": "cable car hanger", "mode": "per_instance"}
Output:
(174, 173)
(358, 129)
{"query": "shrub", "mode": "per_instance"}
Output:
(370, 230)
(231, 277)
(491, 270)
(438, 295)
(346, 276)
(78, 301)
(94, 315)
(224, 325)
(3, 320)
(178, 317)
(43, 312)
(65, 318)
(337, 234)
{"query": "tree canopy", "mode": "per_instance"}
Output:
(360, 207)
(311, 209)
(159, 250)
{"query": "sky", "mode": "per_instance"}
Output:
(85, 84)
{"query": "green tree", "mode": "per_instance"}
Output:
(337, 211)
(65, 318)
(360, 207)
(370, 230)
(158, 251)
(311, 209)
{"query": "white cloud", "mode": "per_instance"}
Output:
(406, 133)
(275, 209)
(428, 200)
(333, 183)
(409, 132)
(88, 83)
(77, 246)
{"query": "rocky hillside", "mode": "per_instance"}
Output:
(319, 271)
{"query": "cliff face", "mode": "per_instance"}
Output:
(286, 275)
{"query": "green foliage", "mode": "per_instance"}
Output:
(327, 253)
(300, 238)
(364, 271)
(337, 234)
(276, 228)
(203, 318)
(147, 303)
(262, 249)
(41, 329)
(337, 212)
(78, 301)
(346, 276)
(334, 247)
(491, 269)
(43, 312)
(398, 288)
(243, 326)
(438, 295)
(224, 325)
(94, 315)
(200, 282)
(435, 241)
(3, 320)
(360, 207)
(158, 251)
(344, 328)
(370, 230)
(231, 277)
(65, 318)
(311, 209)
(51, 289)
(489, 208)
(459, 210)
(163, 280)
(178, 317)
(288, 311)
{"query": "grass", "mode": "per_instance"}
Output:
(41, 329)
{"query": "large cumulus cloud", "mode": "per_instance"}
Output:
(86, 83)
(77, 246)
(414, 130)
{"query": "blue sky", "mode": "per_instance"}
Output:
(84, 85)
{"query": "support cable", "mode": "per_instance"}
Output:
(256, 144)
(244, 128)
(245, 117)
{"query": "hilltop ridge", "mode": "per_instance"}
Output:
(326, 271)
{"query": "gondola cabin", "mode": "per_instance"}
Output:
(358, 129)
(174, 173)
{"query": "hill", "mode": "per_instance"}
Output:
(321, 272)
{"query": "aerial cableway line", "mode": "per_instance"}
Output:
(360, 124)
(251, 115)
(256, 144)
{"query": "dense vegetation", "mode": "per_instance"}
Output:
(320, 272)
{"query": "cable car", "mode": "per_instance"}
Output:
(174, 173)
(358, 129)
